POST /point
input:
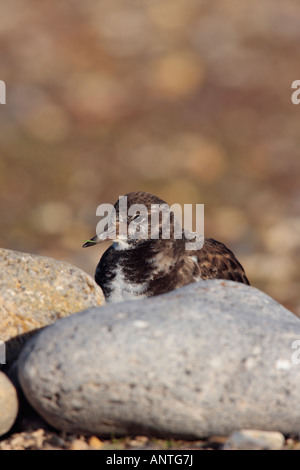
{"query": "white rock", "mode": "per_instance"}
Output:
(249, 439)
(8, 404)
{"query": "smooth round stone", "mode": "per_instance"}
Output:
(34, 292)
(8, 404)
(206, 359)
(252, 439)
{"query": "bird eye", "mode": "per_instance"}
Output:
(138, 218)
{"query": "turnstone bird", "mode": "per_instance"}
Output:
(142, 266)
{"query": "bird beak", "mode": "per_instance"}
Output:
(91, 242)
(109, 234)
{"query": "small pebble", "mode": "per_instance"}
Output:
(95, 442)
(78, 444)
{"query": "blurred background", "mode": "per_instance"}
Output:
(189, 100)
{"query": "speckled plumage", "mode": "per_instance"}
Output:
(143, 268)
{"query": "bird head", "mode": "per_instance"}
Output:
(136, 217)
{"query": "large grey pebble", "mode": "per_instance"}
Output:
(8, 404)
(207, 359)
(37, 290)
